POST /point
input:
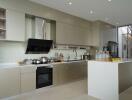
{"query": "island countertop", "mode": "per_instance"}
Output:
(106, 80)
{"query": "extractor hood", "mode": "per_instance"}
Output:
(38, 46)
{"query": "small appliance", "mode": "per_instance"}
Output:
(112, 47)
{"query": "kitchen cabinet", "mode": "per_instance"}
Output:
(40, 28)
(16, 80)
(15, 25)
(69, 72)
(28, 78)
(96, 34)
(72, 34)
(102, 33)
(55, 76)
(77, 71)
(9, 82)
(60, 74)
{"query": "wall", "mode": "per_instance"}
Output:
(14, 51)
(11, 52)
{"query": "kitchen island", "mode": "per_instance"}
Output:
(106, 80)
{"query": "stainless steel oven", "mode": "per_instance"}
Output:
(44, 76)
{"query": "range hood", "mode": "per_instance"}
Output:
(38, 46)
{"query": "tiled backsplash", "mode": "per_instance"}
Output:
(11, 52)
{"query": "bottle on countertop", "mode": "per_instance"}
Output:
(97, 55)
(102, 56)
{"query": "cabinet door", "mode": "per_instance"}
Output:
(82, 36)
(9, 82)
(60, 74)
(72, 34)
(96, 34)
(15, 25)
(64, 33)
(65, 73)
(55, 75)
(28, 82)
(77, 71)
(28, 78)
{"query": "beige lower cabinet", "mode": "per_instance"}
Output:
(64, 73)
(16, 80)
(55, 75)
(60, 75)
(28, 79)
(9, 82)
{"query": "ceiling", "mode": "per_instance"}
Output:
(116, 12)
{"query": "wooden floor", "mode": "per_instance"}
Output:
(72, 91)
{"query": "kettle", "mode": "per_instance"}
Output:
(44, 60)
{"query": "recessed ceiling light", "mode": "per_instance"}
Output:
(109, 0)
(91, 12)
(70, 3)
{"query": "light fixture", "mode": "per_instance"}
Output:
(91, 12)
(70, 3)
(109, 0)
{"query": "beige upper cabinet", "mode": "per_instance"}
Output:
(96, 34)
(72, 34)
(102, 33)
(15, 25)
(9, 82)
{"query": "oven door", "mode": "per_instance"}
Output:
(43, 77)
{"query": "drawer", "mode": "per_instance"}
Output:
(28, 69)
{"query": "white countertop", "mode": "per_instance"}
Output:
(13, 65)
(119, 62)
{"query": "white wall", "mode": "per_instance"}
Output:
(11, 52)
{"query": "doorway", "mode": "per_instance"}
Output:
(125, 41)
